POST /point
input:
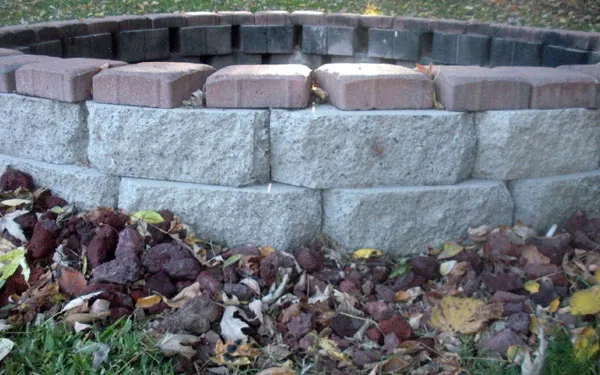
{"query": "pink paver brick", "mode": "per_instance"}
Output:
(590, 70)
(9, 52)
(375, 86)
(9, 64)
(272, 17)
(150, 84)
(240, 17)
(555, 88)
(473, 88)
(308, 17)
(259, 86)
(201, 18)
(378, 22)
(67, 80)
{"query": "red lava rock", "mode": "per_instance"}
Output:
(379, 310)
(195, 316)
(345, 326)
(407, 281)
(54, 201)
(348, 286)
(155, 258)
(229, 275)
(426, 267)
(310, 260)
(363, 357)
(180, 285)
(353, 276)
(118, 299)
(158, 308)
(578, 221)
(507, 297)
(510, 308)
(91, 288)
(472, 258)
(117, 313)
(160, 283)
(118, 271)
(209, 284)
(546, 294)
(504, 281)
(330, 276)
(307, 342)
(582, 241)
(499, 245)
(269, 267)
(384, 293)
(71, 282)
(108, 216)
(205, 349)
(241, 291)
(375, 334)
(554, 247)
(43, 240)
(157, 231)
(380, 273)
(519, 322)
(390, 342)
(183, 269)
(13, 179)
(398, 325)
(367, 287)
(537, 270)
(15, 284)
(501, 341)
(27, 222)
(102, 247)
(300, 325)
(129, 245)
(137, 294)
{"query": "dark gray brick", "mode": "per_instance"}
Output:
(52, 48)
(407, 44)
(12, 36)
(381, 43)
(97, 46)
(280, 39)
(554, 56)
(314, 39)
(218, 40)
(69, 29)
(411, 23)
(460, 49)
(342, 19)
(341, 40)
(594, 58)
(143, 45)
(166, 20)
(254, 39)
(192, 41)
(45, 32)
(156, 44)
(236, 18)
(505, 52)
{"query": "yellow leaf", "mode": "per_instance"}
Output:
(597, 275)
(532, 286)
(586, 345)
(586, 302)
(451, 249)
(446, 267)
(366, 253)
(147, 302)
(15, 202)
(553, 306)
(265, 251)
(150, 217)
(332, 350)
(463, 315)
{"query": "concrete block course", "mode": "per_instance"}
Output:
(543, 201)
(68, 80)
(553, 56)
(84, 187)
(460, 49)
(205, 40)
(314, 39)
(307, 17)
(191, 145)
(276, 215)
(404, 220)
(592, 71)
(375, 86)
(259, 86)
(8, 66)
(272, 17)
(201, 18)
(52, 48)
(341, 40)
(14, 36)
(151, 84)
(143, 45)
(236, 18)
(506, 52)
(98, 46)
(329, 148)
(533, 143)
(42, 129)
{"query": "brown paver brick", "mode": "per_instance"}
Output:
(9, 52)
(272, 17)
(236, 18)
(448, 26)
(166, 20)
(590, 70)
(375, 86)
(308, 17)
(473, 88)
(101, 25)
(410, 23)
(9, 64)
(202, 18)
(67, 80)
(342, 19)
(259, 86)
(378, 22)
(127, 23)
(150, 84)
(555, 88)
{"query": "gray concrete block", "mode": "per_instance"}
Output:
(330, 148)
(534, 143)
(314, 39)
(42, 129)
(541, 202)
(182, 144)
(341, 40)
(283, 216)
(404, 220)
(85, 187)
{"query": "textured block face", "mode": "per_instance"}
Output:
(205, 40)
(203, 146)
(97, 46)
(253, 39)
(457, 49)
(236, 18)
(281, 216)
(297, 57)
(375, 86)
(533, 143)
(218, 40)
(592, 71)
(541, 202)
(42, 129)
(280, 39)
(101, 26)
(314, 39)
(272, 17)
(406, 220)
(308, 17)
(50, 48)
(201, 18)
(381, 43)
(594, 57)
(553, 56)
(259, 86)
(8, 66)
(86, 188)
(473, 88)
(156, 44)
(9, 52)
(379, 22)
(331, 148)
(151, 84)
(166, 20)
(143, 45)
(341, 40)
(67, 80)
(556, 88)
(505, 52)
(127, 23)
(407, 44)
(13, 36)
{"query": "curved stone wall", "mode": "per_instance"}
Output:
(428, 154)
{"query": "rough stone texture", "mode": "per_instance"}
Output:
(403, 220)
(589, 70)
(8, 66)
(544, 201)
(236, 57)
(68, 80)
(329, 148)
(259, 86)
(42, 129)
(341, 40)
(284, 217)
(534, 143)
(472, 88)
(191, 145)
(85, 187)
(9, 52)
(556, 88)
(201, 18)
(375, 86)
(151, 84)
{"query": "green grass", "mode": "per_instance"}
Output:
(560, 358)
(570, 14)
(478, 363)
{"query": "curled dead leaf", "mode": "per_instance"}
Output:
(463, 315)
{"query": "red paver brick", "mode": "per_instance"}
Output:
(410, 23)
(473, 88)
(308, 17)
(590, 70)
(375, 86)
(448, 26)
(272, 17)
(127, 23)
(236, 18)
(9, 64)
(202, 18)
(68, 80)
(259, 86)
(378, 22)
(150, 84)
(166, 20)
(9, 52)
(555, 88)
(342, 19)
(101, 25)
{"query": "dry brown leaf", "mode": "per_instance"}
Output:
(463, 315)
(533, 255)
(147, 302)
(185, 295)
(277, 371)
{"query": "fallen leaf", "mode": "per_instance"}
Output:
(331, 349)
(80, 301)
(232, 260)
(366, 254)
(533, 255)
(553, 306)
(234, 353)
(463, 315)
(15, 202)
(586, 302)
(185, 295)
(98, 350)
(172, 344)
(79, 327)
(277, 371)
(6, 346)
(479, 234)
(446, 267)
(147, 302)
(100, 305)
(532, 286)
(10, 262)
(8, 223)
(150, 217)
(450, 250)
(232, 327)
(586, 345)
(536, 366)
(71, 319)
(71, 282)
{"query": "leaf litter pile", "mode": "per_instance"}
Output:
(318, 310)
